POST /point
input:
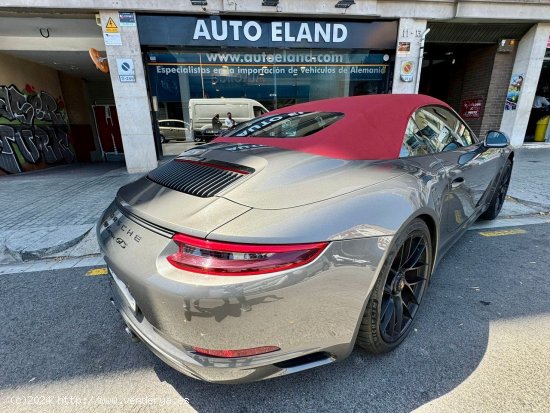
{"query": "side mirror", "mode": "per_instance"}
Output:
(495, 139)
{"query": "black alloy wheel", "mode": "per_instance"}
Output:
(398, 292)
(404, 287)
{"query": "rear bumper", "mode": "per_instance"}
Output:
(214, 370)
(312, 311)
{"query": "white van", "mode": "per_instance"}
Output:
(201, 112)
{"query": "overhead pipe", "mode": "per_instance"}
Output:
(420, 58)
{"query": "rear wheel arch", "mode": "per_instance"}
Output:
(429, 219)
(371, 329)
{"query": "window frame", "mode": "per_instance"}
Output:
(475, 139)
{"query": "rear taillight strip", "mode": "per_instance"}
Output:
(231, 247)
(231, 259)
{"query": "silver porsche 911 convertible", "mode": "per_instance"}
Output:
(299, 234)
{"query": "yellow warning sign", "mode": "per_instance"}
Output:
(111, 26)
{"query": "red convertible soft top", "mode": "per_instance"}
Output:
(373, 127)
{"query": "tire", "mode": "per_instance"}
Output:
(380, 330)
(163, 139)
(499, 196)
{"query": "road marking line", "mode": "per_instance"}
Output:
(96, 272)
(503, 232)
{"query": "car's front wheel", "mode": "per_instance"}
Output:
(398, 292)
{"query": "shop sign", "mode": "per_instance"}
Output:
(471, 108)
(407, 71)
(214, 31)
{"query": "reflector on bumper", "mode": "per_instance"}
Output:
(247, 352)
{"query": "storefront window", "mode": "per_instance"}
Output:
(273, 78)
(202, 67)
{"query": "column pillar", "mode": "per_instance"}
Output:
(410, 31)
(528, 63)
(132, 102)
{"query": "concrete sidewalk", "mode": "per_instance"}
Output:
(51, 214)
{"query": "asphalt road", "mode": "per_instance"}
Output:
(481, 343)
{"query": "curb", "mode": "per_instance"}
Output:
(13, 254)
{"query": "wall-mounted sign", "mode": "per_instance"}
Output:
(214, 31)
(126, 70)
(111, 26)
(471, 108)
(112, 39)
(506, 45)
(514, 91)
(404, 48)
(127, 19)
(407, 71)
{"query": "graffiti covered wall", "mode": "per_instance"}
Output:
(34, 130)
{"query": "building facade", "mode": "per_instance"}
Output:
(487, 59)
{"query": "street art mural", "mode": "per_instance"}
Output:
(33, 130)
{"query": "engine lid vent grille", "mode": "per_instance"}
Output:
(196, 177)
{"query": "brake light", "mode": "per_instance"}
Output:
(224, 258)
(247, 352)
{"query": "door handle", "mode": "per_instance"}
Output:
(455, 183)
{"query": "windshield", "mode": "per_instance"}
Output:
(286, 125)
